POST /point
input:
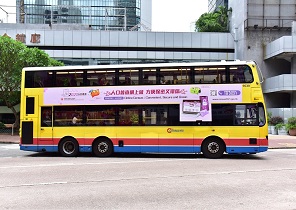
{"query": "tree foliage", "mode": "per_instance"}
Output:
(14, 56)
(214, 21)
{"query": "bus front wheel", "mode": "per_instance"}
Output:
(102, 147)
(213, 148)
(68, 147)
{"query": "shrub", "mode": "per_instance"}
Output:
(276, 120)
(2, 125)
(279, 126)
(291, 123)
(269, 115)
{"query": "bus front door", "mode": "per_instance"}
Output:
(45, 141)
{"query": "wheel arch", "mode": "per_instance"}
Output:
(214, 137)
(65, 137)
(100, 138)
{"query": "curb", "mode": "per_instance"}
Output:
(8, 142)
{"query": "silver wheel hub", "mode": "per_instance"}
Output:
(103, 147)
(213, 147)
(68, 147)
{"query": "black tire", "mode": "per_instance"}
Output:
(69, 147)
(213, 148)
(102, 148)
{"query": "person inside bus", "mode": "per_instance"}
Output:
(46, 118)
(73, 81)
(75, 119)
(175, 80)
(103, 81)
(238, 120)
(162, 80)
(145, 80)
(127, 81)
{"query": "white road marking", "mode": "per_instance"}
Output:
(82, 164)
(10, 146)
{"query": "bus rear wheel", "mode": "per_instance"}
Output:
(68, 147)
(213, 148)
(102, 147)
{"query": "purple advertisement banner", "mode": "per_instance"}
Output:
(194, 100)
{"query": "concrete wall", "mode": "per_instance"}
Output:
(251, 43)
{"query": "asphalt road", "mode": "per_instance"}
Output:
(47, 181)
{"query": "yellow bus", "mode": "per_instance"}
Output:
(206, 107)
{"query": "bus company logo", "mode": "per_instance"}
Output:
(171, 130)
(94, 93)
(229, 92)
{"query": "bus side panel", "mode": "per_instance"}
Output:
(245, 139)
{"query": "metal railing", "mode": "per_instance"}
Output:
(267, 23)
(8, 130)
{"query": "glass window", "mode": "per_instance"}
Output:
(246, 114)
(38, 79)
(100, 115)
(69, 78)
(100, 78)
(68, 116)
(129, 77)
(241, 74)
(175, 76)
(129, 116)
(30, 105)
(149, 77)
(155, 115)
(149, 116)
(262, 118)
(240, 114)
(223, 114)
(46, 117)
(210, 75)
(163, 115)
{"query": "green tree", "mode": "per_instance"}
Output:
(14, 56)
(213, 21)
(36, 57)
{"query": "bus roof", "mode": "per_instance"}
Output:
(139, 65)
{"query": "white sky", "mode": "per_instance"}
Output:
(177, 15)
(167, 15)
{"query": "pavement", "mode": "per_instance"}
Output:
(275, 141)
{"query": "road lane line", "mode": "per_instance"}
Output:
(88, 163)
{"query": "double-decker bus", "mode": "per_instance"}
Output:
(208, 107)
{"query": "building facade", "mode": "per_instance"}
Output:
(101, 15)
(213, 5)
(264, 31)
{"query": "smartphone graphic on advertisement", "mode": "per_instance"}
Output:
(191, 106)
(204, 103)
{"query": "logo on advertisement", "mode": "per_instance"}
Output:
(94, 93)
(229, 92)
(72, 93)
(195, 90)
(171, 130)
(213, 93)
